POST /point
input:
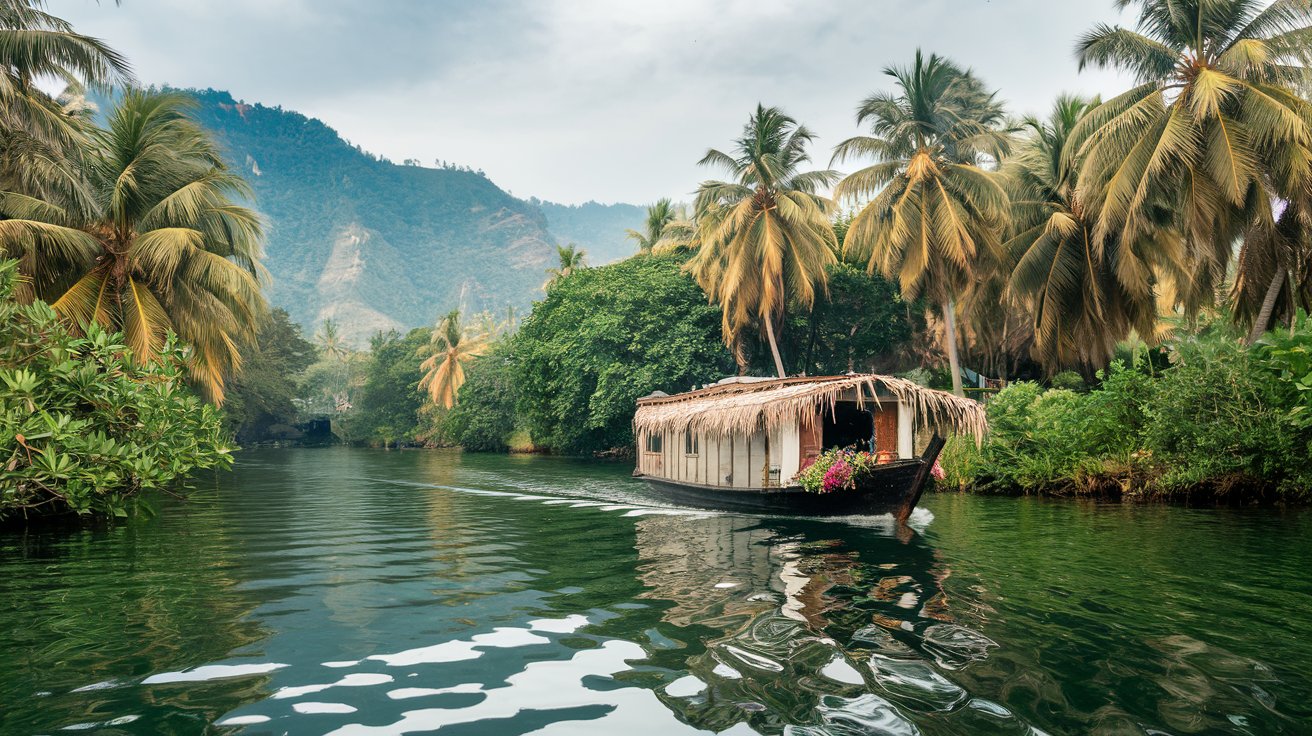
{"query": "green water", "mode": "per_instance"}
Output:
(362, 592)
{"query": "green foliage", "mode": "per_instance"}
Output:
(484, 418)
(389, 399)
(1217, 421)
(84, 426)
(1219, 417)
(1289, 356)
(1069, 380)
(863, 325)
(264, 394)
(606, 336)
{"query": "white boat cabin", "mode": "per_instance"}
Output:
(752, 433)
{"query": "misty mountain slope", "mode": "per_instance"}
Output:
(599, 229)
(377, 245)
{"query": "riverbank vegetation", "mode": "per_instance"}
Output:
(130, 276)
(1215, 421)
(87, 425)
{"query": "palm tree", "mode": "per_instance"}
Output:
(448, 351)
(659, 216)
(571, 259)
(934, 215)
(330, 341)
(765, 235)
(165, 248)
(1067, 279)
(42, 138)
(1212, 132)
(1274, 273)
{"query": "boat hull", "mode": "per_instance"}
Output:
(887, 492)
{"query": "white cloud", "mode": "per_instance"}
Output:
(574, 100)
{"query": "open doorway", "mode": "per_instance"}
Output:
(849, 425)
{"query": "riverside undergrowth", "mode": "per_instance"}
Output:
(86, 427)
(1223, 422)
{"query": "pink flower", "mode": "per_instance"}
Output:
(937, 471)
(838, 476)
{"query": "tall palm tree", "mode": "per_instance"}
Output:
(1212, 132)
(571, 259)
(765, 235)
(933, 213)
(42, 138)
(1066, 278)
(450, 349)
(166, 247)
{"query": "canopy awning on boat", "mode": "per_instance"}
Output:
(744, 406)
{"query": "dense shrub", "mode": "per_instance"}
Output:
(1219, 417)
(1219, 420)
(604, 337)
(85, 427)
(484, 418)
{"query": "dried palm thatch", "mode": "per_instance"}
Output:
(746, 407)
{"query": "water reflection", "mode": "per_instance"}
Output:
(369, 593)
(813, 634)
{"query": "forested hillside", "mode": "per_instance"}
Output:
(596, 228)
(376, 245)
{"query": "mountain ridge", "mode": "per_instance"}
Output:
(376, 245)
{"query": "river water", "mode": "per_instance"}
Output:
(364, 592)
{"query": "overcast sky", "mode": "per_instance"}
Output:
(577, 100)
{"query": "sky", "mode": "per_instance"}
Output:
(579, 100)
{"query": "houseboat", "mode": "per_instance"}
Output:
(739, 444)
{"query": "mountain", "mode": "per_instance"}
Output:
(596, 228)
(376, 245)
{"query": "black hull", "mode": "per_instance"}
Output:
(894, 489)
(887, 497)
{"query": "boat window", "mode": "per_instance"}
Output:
(690, 444)
(653, 443)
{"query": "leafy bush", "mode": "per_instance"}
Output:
(1069, 380)
(604, 337)
(262, 397)
(1218, 419)
(1289, 356)
(861, 324)
(85, 427)
(387, 410)
(484, 418)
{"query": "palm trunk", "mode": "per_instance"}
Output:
(1263, 319)
(954, 359)
(774, 346)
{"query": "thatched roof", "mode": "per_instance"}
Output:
(743, 407)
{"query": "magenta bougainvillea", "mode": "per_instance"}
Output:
(836, 470)
(839, 475)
